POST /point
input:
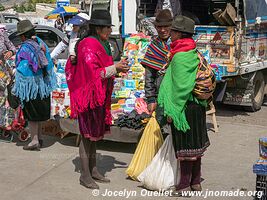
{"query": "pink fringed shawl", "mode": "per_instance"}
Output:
(87, 88)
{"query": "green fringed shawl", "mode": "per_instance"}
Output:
(177, 86)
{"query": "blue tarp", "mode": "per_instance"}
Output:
(260, 167)
(254, 9)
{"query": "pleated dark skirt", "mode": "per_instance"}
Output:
(194, 142)
(37, 109)
(92, 123)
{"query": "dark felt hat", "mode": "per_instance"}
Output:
(163, 18)
(24, 26)
(101, 18)
(183, 24)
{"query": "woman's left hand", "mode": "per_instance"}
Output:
(8, 55)
(122, 66)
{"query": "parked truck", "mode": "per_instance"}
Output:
(237, 51)
(232, 34)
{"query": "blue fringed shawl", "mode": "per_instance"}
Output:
(29, 84)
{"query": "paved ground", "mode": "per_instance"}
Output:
(53, 173)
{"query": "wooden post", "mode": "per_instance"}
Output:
(212, 112)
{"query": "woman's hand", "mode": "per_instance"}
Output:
(8, 55)
(151, 107)
(122, 66)
(73, 60)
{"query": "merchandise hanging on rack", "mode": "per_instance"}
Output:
(128, 90)
(260, 169)
(129, 87)
(11, 120)
(60, 102)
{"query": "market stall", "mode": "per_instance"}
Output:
(128, 107)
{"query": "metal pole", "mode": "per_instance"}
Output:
(239, 31)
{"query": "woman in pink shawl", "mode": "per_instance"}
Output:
(90, 81)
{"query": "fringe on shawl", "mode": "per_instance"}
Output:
(95, 90)
(108, 118)
(183, 67)
(179, 118)
(91, 95)
(29, 87)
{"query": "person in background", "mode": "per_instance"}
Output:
(185, 113)
(175, 6)
(70, 41)
(156, 57)
(7, 48)
(90, 82)
(34, 81)
(59, 23)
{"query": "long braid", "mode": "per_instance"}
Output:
(82, 33)
(85, 31)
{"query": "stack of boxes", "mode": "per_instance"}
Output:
(60, 102)
(260, 168)
(127, 86)
(130, 86)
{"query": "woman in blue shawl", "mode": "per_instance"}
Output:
(34, 81)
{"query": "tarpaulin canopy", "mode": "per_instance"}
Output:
(255, 10)
(62, 11)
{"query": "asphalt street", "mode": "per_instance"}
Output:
(53, 172)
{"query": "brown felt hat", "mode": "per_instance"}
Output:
(163, 18)
(24, 26)
(183, 24)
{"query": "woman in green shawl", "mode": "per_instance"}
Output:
(185, 112)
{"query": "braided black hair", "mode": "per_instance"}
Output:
(85, 31)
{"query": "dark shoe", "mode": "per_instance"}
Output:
(90, 185)
(41, 143)
(196, 187)
(101, 180)
(35, 147)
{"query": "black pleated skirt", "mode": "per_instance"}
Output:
(37, 109)
(194, 142)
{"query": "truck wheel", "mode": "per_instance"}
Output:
(258, 93)
(23, 135)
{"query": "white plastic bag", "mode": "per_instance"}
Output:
(147, 148)
(163, 171)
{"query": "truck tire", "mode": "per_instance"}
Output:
(257, 93)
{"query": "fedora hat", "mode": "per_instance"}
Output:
(163, 18)
(24, 26)
(183, 24)
(101, 18)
